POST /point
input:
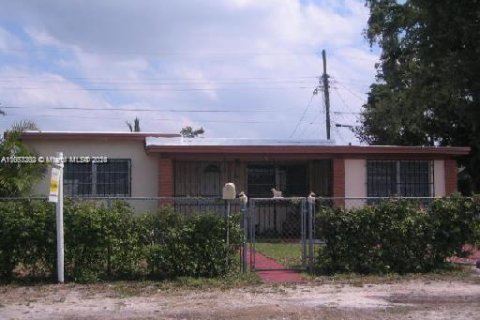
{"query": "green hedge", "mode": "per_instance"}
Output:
(113, 242)
(27, 237)
(396, 236)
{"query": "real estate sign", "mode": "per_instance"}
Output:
(54, 185)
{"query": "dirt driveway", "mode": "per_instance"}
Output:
(412, 299)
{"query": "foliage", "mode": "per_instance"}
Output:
(396, 236)
(136, 125)
(195, 247)
(110, 241)
(26, 236)
(101, 240)
(17, 178)
(427, 90)
(189, 132)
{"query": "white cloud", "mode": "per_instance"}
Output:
(9, 42)
(194, 54)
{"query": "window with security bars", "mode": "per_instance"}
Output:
(109, 179)
(404, 178)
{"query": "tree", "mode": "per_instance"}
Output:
(427, 90)
(136, 125)
(189, 132)
(17, 178)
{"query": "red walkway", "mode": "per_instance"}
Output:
(277, 272)
(473, 254)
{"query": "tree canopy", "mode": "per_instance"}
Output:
(189, 132)
(428, 89)
(17, 178)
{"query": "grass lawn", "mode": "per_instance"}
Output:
(288, 254)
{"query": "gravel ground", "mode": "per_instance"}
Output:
(412, 299)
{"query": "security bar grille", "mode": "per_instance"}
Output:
(111, 178)
(405, 178)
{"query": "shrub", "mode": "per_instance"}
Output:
(395, 236)
(111, 241)
(101, 241)
(195, 246)
(26, 236)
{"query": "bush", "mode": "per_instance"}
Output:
(195, 246)
(111, 241)
(27, 237)
(101, 241)
(396, 236)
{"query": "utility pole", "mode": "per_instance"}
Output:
(326, 93)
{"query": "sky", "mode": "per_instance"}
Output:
(237, 68)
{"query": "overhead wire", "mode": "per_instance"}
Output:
(311, 123)
(155, 89)
(158, 119)
(349, 90)
(238, 110)
(303, 114)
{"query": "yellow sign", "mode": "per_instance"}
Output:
(54, 183)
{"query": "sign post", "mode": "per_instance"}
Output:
(56, 195)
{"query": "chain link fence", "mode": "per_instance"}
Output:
(277, 235)
(279, 230)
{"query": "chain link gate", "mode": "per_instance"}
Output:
(279, 234)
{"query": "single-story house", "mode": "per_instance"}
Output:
(167, 165)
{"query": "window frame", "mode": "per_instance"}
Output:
(94, 180)
(397, 181)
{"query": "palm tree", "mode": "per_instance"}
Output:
(17, 179)
(135, 127)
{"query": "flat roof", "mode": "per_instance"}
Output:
(168, 143)
(287, 146)
(155, 141)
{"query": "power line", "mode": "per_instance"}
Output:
(303, 114)
(176, 54)
(301, 133)
(152, 89)
(337, 130)
(349, 90)
(189, 79)
(152, 110)
(337, 92)
(155, 119)
(346, 112)
(162, 83)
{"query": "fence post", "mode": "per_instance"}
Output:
(302, 230)
(244, 202)
(251, 224)
(311, 215)
(227, 236)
